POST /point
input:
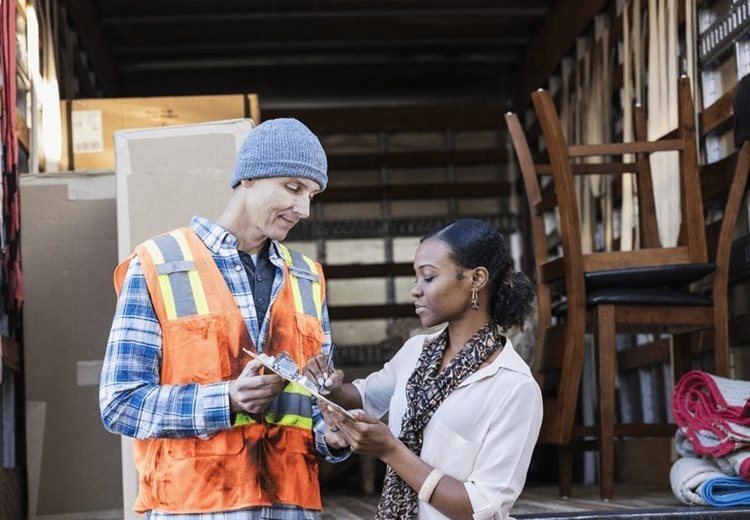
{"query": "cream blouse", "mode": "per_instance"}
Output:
(482, 434)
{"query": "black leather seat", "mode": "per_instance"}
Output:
(674, 276)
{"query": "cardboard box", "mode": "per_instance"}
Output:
(167, 175)
(70, 250)
(640, 460)
(90, 124)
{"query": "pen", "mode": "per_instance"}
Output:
(329, 365)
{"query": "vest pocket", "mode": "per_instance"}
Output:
(228, 442)
(154, 471)
(195, 350)
(310, 334)
(296, 473)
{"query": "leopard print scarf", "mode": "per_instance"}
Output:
(425, 391)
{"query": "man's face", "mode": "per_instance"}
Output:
(276, 204)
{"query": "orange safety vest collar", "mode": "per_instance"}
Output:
(262, 460)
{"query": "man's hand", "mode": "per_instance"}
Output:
(252, 392)
(327, 378)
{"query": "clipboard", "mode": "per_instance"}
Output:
(294, 376)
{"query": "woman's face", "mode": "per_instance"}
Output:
(442, 290)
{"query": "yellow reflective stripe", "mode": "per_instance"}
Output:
(294, 388)
(286, 254)
(243, 419)
(297, 296)
(154, 251)
(199, 295)
(201, 304)
(293, 279)
(285, 420)
(315, 288)
(164, 284)
(290, 420)
(179, 236)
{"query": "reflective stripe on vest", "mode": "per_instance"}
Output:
(182, 289)
(305, 282)
(291, 408)
(179, 280)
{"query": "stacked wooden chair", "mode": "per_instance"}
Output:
(645, 290)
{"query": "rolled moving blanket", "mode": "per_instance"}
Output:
(688, 474)
(713, 411)
(738, 461)
(731, 465)
(725, 491)
(682, 444)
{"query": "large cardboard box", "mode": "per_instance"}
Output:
(167, 175)
(69, 252)
(644, 461)
(90, 124)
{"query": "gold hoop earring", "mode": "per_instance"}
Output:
(474, 300)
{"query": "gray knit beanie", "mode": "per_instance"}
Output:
(281, 148)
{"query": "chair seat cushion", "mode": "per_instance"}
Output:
(638, 296)
(673, 276)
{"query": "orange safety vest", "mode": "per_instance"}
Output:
(263, 460)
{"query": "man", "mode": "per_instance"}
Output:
(215, 436)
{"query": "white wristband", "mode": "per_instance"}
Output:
(429, 485)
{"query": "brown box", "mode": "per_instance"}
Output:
(68, 308)
(89, 124)
(644, 461)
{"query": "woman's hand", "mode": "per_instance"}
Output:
(334, 436)
(327, 378)
(367, 435)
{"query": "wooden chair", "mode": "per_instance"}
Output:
(622, 291)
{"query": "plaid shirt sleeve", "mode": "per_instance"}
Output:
(131, 400)
(319, 426)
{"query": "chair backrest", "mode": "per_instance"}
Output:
(720, 233)
(691, 247)
(722, 252)
(558, 351)
(538, 232)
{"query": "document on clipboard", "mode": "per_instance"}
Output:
(285, 367)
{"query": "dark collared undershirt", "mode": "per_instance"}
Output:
(260, 276)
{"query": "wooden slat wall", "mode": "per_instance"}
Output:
(378, 162)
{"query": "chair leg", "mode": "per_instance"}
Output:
(367, 474)
(565, 461)
(721, 340)
(682, 355)
(604, 336)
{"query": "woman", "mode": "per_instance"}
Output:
(463, 410)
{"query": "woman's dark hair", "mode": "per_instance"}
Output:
(474, 243)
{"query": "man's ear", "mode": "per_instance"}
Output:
(246, 183)
(479, 278)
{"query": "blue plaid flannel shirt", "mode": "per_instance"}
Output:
(134, 404)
